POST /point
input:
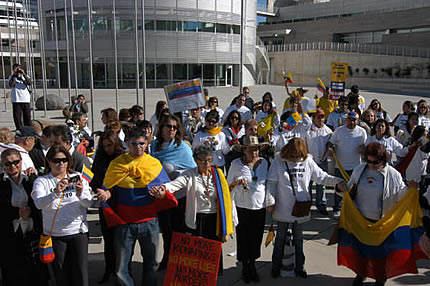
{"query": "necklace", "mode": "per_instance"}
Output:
(207, 191)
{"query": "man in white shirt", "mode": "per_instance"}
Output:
(338, 116)
(347, 142)
(244, 111)
(317, 138)
(20, 95)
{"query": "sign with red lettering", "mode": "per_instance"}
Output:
(192, 261)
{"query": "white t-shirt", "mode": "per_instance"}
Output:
(369, 194)
(391, 145)
(244, 111)
(401, 121)
(220, 146)
(72, 215)
(336, 119)
(20, 93)
(220, 113)
(317, 139)
(424, 121)
(253, 196)
(417, 166)
(299, 131)
(347, 142)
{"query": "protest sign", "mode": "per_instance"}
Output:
(185, 95)
(338, 78)
(192, 261)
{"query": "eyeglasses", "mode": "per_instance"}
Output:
(211, 121)
(60, 160)
(8, 164)
(171, 126)
(134, 143)
(205, 160)
(373, 162)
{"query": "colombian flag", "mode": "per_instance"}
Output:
(87, 174)
(265, 125)
(288, 78)
(383, 249)
(224, 209)
(130, 180)
(321, 86)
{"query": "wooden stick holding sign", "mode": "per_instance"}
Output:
(192, 261)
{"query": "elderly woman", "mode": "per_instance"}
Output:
(212, 137)
(207, 197)
(381, 133)
(21, 225)
(287, 183)
(109, 147)
(176, 156)
(247, 179)
(64, 190)
(378, 187)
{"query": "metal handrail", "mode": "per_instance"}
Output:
(352, 48)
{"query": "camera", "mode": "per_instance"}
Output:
(73, 180)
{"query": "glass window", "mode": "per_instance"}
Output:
(236, 29)
(220, 75)
(195, 71)
(124, 25)
(208, 75)
(162, 71)
(179, 72)
(190, 26)
(163, 25)
(149, 25)
(221, 28)
(208, 27)
(180, 26)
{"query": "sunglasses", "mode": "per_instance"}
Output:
(134, 143)
(211, 121)
(171, 126)
(205, 160)
(213, 102)
(8, 164)
(373, 162)
(235, 117)
(60, 160)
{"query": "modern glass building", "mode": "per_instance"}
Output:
(184, 39)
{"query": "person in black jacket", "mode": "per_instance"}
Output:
(21, 226)
(109, 147)
(37, 154)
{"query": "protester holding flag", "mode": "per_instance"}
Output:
(326, 104)
(287, 184)
(404, 134)
(109, 147)
(369, 243)
(208, 210)
(65, 190)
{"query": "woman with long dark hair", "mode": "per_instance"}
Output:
(404, 134)
(109, 147)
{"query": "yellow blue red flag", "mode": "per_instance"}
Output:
(321, 86)
(383, 249)
(87, 174)
(224, 208)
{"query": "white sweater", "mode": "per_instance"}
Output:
(280, 192)
(72, 215)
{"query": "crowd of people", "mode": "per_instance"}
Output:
(181, 172)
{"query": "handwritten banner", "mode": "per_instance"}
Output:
(192, 261)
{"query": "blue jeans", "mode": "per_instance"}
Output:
(278, 250)
(125, 238)
(338, 199)
(320, 200)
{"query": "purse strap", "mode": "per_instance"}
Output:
(55, 215)
(291, 178)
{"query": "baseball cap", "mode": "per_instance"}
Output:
(26, 131)
(319, 112)
(353, 114)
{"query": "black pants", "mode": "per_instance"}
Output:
(171, 220)
(108, 237)
(249, 233)
(206, 228)
(21, 114)
(71, 259)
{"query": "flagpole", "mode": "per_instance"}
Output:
(241, 48)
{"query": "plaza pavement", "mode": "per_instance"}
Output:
(320, 259)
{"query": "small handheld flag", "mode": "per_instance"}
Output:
(87, 174)
(321, 86)
(288, 78)
(292, 120)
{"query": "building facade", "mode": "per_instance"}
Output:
(184, 39)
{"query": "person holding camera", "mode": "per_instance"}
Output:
(63, 196)
(20, 83)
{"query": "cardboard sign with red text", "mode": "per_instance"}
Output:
(192, 261)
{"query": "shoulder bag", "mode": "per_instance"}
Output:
(300, 209)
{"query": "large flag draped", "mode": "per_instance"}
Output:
(383, 249)
(265, 125)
